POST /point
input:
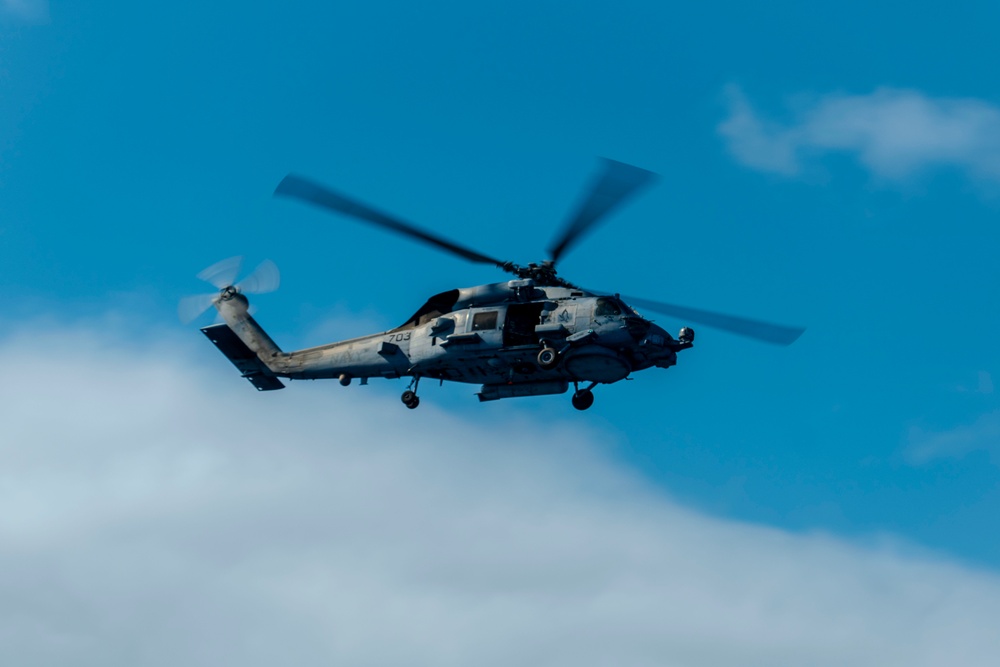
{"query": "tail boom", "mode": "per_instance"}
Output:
(261, 361)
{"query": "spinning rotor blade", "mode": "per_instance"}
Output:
(613, 186)
(306, 190)
(191, 307)
(775, 334)
(222, 274)
(265, 278)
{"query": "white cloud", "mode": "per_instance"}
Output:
(31, 11)
(894, 133)
(983, 434)
(155, 510)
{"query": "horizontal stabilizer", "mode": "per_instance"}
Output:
(243, 357)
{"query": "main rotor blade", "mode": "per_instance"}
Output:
(609, 189)
(313, 193)
(776, 334)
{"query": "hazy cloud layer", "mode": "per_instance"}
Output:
(155, 510)
(894, 133)
(30, 11)
(983, 434)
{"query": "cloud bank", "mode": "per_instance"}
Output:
(155, 510)
(894, 133)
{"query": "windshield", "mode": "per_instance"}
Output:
(607, 307)
(629, 310)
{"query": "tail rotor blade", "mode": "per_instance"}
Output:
(265, 278)
(612, 186)
(776, 334)
(222, 274)
(190, 308)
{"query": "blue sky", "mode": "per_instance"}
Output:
(834, 167)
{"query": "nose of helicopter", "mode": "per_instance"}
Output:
(638, 327)
(659, 336)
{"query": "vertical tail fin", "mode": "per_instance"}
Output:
(245, 359)
(245, 343)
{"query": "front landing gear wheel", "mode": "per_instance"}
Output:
(410, 399)
(583, 399)
(548, 358)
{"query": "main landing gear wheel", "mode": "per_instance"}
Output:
(548, 358)
(583, 399)
(411, 400)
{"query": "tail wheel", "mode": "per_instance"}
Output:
(583, 399)
(548, 358)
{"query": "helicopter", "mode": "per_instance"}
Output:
(532, 335)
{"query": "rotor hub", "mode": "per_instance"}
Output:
(543, 274)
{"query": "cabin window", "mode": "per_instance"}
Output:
(606, 308)
(484, 321)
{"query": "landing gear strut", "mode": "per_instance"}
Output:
(409, 397)
(583, 398)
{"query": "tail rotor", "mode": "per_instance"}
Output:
(222, 275)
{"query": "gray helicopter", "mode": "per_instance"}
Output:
(530, 336)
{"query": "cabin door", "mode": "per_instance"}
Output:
(519, 327)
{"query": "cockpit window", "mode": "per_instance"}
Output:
(607, 308)
(629, 310)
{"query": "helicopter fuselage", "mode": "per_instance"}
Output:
(514, 338)
(525, 337)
